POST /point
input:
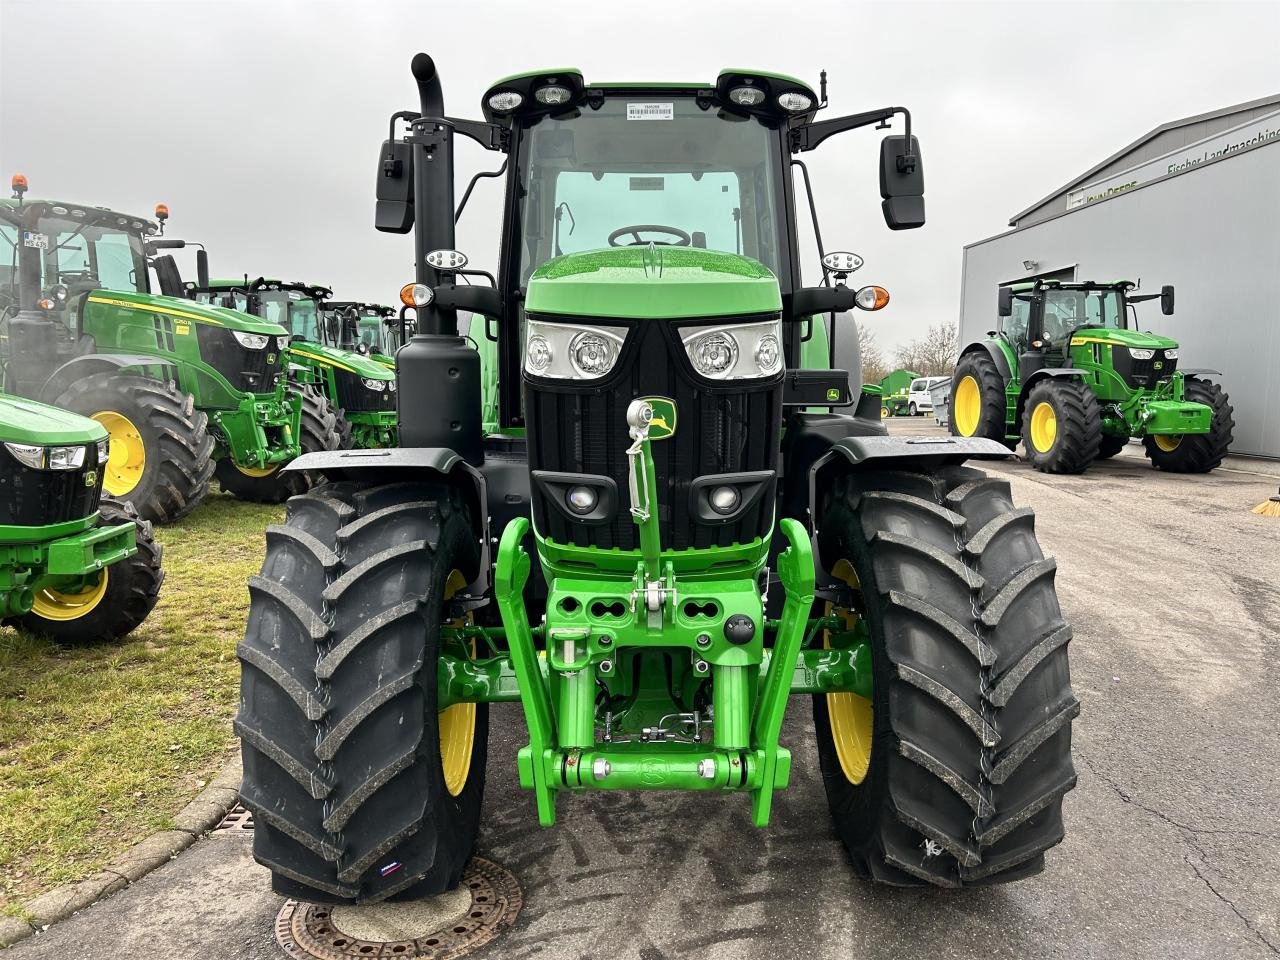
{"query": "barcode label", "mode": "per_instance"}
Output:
(650, 111)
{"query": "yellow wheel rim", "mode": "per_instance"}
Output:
(258, 472)
(128, 454)
(851, 717)
(966, 407)
(458, 722)
(1044, 427)
(51, 604)
(884, 413)
(1168, 442)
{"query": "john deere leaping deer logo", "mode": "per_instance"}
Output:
(663, 424)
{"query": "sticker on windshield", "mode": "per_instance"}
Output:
(651, 111)
(38, 240)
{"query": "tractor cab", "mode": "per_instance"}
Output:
(369, 328)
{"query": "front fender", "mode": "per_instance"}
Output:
(88, 365)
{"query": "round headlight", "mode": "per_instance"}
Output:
(714, 354)
(768, 354)
(746, 96)
(373, 384)
(504, 101)
(724, 499)
(250, 341)
(592, 355)
(538, 354)
(794, 102)
(552, 95)
(1171, 354)
(282, 343)
(1141, 353)
(581, 499)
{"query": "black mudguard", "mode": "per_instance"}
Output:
(89, 364)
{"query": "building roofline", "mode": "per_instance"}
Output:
(1145, 138)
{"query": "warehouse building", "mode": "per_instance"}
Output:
(1194, 203)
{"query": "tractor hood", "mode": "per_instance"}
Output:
(652, 282)
(25, 421)
(183, 309)
(1123, 338)
(347, 360)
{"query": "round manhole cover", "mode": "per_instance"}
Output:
(453, 924)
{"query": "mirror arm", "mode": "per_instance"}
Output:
(808, 136)
(488, 135)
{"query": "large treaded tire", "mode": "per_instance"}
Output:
(1111, 445)
(133, 586)
(338, 724)
(175, 438)
(973, 705)
(317, 431)
(991, 389)
(1198, 453)
(1079, 426)
(342, 427)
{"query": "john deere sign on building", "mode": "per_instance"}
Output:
(1194, 203)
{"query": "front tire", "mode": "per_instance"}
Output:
(317, 431)
(1197, 452)
(361, 790)
(1061, 426)
(115, 603)
(954, 773)
(160, 443)
(978, 399)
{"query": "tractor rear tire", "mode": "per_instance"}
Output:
(1061, 426)
(954, 773)
(110, 611)
(1202, 452)
(317, 431)
(1111, 445)
(161, 447)
(978, 384)
(352, 794)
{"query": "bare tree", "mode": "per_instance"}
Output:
(874, 365)
(932, 355)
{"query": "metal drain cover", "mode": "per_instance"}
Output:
(453, 924)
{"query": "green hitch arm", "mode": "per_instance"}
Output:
(644, 487)
(795, 570)
(511, 573)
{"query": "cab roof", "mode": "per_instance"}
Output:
(12, 209)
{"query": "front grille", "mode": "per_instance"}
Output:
(251, 371)
(580, 427)
(37, 498)
(355, 397)
(1142, 373)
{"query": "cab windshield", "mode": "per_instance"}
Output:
(77, 252)
(1067, 310)
(294, 311)
(649, 168)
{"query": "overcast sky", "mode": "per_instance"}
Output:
(259, 122)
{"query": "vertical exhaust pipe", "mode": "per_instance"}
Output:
(433, 190)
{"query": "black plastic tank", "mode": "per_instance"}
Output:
(438, 395)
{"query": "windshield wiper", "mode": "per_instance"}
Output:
(561, 209)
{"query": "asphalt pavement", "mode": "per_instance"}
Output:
(1173, 589)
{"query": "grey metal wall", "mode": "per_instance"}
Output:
(1214, 234)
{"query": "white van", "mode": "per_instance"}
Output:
(918, 400)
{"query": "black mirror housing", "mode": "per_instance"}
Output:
(807, 301)
(1166, 300)
(394, 210)
(901, 183)
(1005, 304)
(202, 268)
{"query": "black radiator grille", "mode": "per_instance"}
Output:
(252, 371)
(580, 427)
(355, 397)
(37, 498)
(1142, 373)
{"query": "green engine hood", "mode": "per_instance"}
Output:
(1124, 338)
(183, 309)
(348, 360)
(652, 282)
(25, 421)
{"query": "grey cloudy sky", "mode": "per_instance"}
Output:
(259, 122)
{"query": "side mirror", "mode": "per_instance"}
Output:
(1005, 303)
(901, 183)
(202, 268)
(394, 210)
(1166, 300)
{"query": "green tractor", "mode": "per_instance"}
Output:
(372, 329)
(1069, 374)
(73, 566)
(183, 389)
(687, 512)
(358, 389)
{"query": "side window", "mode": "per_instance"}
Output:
(1015, 326)
(917, 386)
(115, 262)
(8, 262)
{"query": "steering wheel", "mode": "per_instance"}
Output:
(682, 239)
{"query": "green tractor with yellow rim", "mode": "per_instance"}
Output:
(1070, 375)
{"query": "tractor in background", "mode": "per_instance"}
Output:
(183, 389)
(1069, 374)
(73, 566)
(686, 512)
(372, 329)
(358, 389)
